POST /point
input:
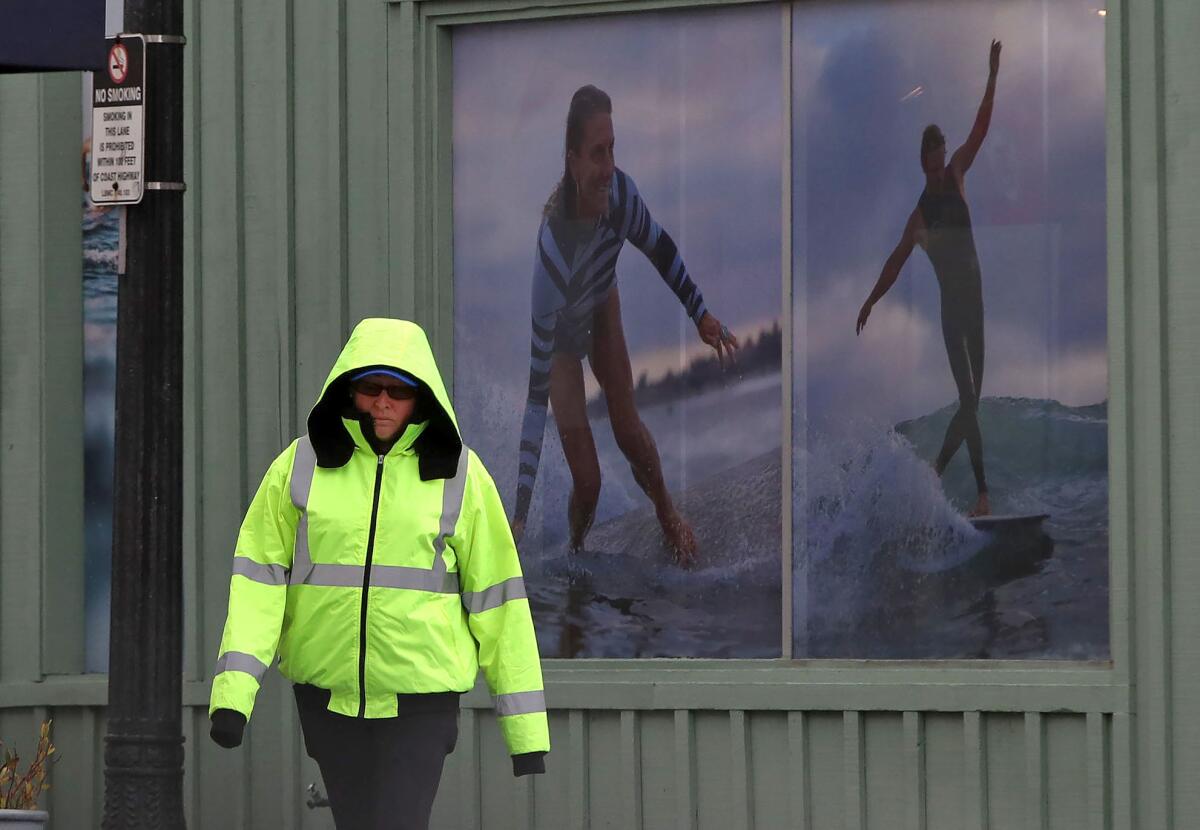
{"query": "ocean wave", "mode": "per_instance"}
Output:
(96, 217)
(1027, 444)
(865, 494)
(100, 256)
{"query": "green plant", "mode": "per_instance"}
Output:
(22, 791)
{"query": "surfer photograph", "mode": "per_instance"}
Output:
(592, 210)
(618, 340)
(949, 515)
(941, 225)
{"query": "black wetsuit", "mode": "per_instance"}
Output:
(951, 248)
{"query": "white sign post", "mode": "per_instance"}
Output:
(118, 118)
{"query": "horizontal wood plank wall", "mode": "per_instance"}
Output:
(306, 125)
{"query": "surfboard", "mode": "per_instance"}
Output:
(1025, 522)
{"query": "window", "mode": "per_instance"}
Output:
(938, 237)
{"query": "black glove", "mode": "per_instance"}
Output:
(529, 763)
(227, 727)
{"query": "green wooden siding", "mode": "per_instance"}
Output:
(319, 192)
(1179, 170)
(677, 770)
(41, 378)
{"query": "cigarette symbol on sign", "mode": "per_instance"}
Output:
(118, 63)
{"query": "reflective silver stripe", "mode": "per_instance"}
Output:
(332, 576)
(452, 499)
(302, 565)
(240, 661)
(304, 465)
(520, 703)
(493, 597)
(382, 576)
(266, 574)
(416, 579)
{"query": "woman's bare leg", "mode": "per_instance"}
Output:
(568, 401)
(610, 364)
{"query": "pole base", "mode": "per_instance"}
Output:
(143, 782)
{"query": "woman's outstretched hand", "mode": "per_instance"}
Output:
(862, 318)
(720, 338)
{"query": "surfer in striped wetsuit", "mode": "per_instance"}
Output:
(941, 224)
(577, 314)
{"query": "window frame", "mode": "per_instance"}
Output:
(420, 88)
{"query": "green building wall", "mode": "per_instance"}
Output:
(318, 175)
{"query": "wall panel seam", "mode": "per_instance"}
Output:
(741, 771)
(39, 211)
(854, 770)
(685, 771)
(290, 292)
(914, 752)
(1035, 772)
(243, 323)
(578, 761)
(343, 166)
(975, 771)
(631, 767)
(1163, 276)
(800, 797)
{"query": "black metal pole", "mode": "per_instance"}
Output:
(143, 755)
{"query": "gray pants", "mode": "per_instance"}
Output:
(380, 773)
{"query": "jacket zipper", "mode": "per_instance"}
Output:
(362, 628)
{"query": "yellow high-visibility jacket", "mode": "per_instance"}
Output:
(377, 575)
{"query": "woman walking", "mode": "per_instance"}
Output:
(376, 561)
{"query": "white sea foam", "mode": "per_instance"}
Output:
(864, 494)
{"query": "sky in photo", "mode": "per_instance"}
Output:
(867, 78)
(698, 118)
(698, 122)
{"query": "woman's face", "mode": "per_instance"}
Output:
(390, 415)
(592, 166)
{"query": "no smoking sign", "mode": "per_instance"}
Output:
(118, 118)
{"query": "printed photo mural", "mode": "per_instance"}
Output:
(618, 311)
(101, 234)
(950, 487)
(101, 243)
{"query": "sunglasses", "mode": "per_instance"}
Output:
(397, 392)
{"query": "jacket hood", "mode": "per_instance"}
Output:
(397, 344)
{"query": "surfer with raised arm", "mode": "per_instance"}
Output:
(941, 225)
